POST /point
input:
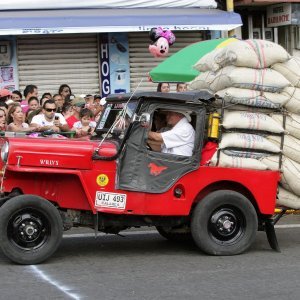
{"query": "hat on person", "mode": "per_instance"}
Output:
(186, 113)
(78, 101)
(102, 101)
(5, 93)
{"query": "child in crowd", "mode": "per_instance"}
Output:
(85, 126)
(33, 103)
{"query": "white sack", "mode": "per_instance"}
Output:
(290, 176)
(247, 141)
(291, 146)
(253, 98)
(267, 80)
(251, 121)
(258, 54)
(293, 104)
(292, 123)
(237, 162)
(287, 199)
(290, 70)
(245, 154)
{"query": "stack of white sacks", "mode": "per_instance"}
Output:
(257, 79)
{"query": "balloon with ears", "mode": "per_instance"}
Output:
(162, 40)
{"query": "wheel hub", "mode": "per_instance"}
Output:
(225, 225)
(28, 229)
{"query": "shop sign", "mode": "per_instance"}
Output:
(279, 15)
(114, 63)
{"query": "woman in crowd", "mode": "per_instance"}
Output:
(3, 124)
(16, 96)
(64, 90)
(163, 87)
(16, 119)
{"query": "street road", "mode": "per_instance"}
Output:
(143, 265)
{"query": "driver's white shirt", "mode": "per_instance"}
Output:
(180, 139)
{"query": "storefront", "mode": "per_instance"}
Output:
(96, 49)
(277, 22)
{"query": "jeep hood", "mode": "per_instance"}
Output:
(55, 153)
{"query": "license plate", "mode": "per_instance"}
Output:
(111, 200)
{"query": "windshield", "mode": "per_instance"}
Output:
(115, 119)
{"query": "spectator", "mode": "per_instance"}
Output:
(47, 95)
(69, 98)
(3, 124)
(163, 87)
(49, 119)
(29, 91)
(16, 119)
(16, 96)
(59, 101)
(77, 103)
(89, 101)
(67, 110)
(4, 107)
(98, 106)
(33, 103)
(85, 126)
(181, 87)
(64, 90)
(10, 102)
(5, 95)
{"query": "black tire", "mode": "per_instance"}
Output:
(224, 223)
(176, 234)
(30, 229)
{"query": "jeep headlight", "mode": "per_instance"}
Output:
(4, 152)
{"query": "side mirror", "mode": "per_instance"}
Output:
(144, 119)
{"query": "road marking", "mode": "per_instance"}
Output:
(127, 233)
(46, 278)
(288, 226)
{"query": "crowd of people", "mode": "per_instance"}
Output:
(60, 112)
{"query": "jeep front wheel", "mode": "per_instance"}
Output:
(30, 229)
(224, 223)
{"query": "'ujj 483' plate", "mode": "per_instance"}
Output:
(111, 200)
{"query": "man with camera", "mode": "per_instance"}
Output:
(49, 119)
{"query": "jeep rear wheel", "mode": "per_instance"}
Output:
(224, 223)
(30, 229)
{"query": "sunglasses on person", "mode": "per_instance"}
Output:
(50, 109)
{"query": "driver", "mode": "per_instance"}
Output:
(179, 139)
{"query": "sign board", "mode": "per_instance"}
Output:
(279, 15)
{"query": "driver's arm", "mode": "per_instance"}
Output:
(155, 137)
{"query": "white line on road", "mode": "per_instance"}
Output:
(46, 278)
(82, 235)
(288, 226)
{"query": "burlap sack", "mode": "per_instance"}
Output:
(253, 98)
(253, 53)
(293, 104)
(267, 80)
(237, 162)
(247, 141)
(291, 146)
(287, 199)
(290, 70)
(250, 121)
(290, 176)
(292, 123)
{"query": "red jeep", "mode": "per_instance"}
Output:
(116, 181)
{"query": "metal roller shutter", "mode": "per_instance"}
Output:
(141, 61)
(49, 61)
